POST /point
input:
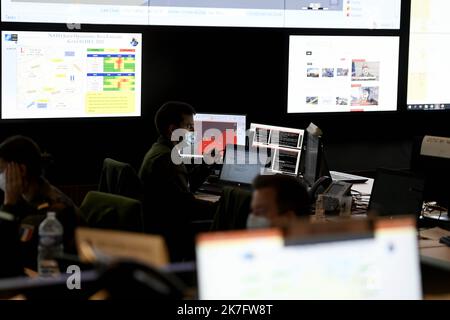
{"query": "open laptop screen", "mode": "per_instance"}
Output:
(258, 265)
(241, 165)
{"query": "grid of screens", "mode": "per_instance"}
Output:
(360, 14)
(429, 50)
(343, 74)
(70, 75)
(286, 145)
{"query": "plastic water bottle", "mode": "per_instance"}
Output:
(50, 245)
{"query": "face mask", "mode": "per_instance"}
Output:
(2, 181)
(257, 222)
(189, 137)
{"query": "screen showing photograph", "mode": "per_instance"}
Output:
(343, 74)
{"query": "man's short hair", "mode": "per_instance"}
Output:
(291, 194)
(22, 150)
(171, 113)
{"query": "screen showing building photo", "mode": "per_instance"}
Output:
(343, 74)
(70, 75)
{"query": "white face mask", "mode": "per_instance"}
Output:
(257, 222)
(189, 137)
(2, 182)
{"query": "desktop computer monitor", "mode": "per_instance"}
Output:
(428, 56)
(396, 193)
(285, 143)
(343, 74)
(263, 265)
(216, 131)
(431, 160)
(70, 75)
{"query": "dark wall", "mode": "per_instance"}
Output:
(223, 70)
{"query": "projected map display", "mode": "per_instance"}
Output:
(65, 75)
(347, 14)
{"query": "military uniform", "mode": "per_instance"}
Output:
(169, 203)
(27, 216)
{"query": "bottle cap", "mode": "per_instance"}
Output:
(51, 214)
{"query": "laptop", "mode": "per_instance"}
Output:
(397, 193)
(263, 265)
(241, 165)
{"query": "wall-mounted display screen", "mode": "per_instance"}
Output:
(70, 75)
(429, 50)
(343, 74)
(345, 14)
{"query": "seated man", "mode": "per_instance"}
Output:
(27, 198)
(169, 202)
(277, 197)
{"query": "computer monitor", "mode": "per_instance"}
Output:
(361, 14)
(343, 74)
(428, 56)
(431, 160)
(216, 131)
(314, 163)
(396, 192)
(71, 75)
(285, 143)
(261, 265)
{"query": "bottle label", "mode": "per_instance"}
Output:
(48, 267)
(49, 241)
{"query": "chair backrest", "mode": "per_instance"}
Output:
(233, 210)
(120, 178)
(144, 248)
(108, 211)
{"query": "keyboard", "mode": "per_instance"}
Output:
(346, 177)
(216, 188)
(211, 188)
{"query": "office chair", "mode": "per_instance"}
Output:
(121, 179)
(233, 210)
(108, 211)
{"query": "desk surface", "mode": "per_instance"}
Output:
(364, 188)
(434, 254)
(207, 197)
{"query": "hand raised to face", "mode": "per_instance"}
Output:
(14, 183)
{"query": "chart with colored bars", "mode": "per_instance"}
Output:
(111, 69)
(124, 66)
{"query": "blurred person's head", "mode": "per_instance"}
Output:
(23, 152)
(365, 70)
(366, 94)
(174, 115)
(275, 197)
